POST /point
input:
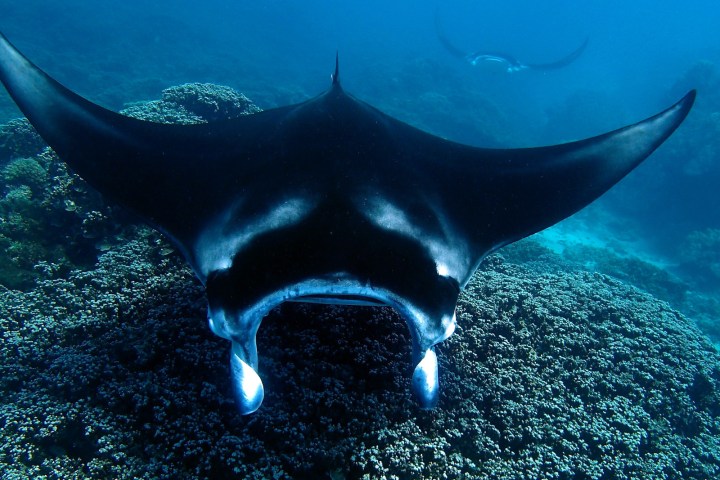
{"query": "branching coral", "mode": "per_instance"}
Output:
(193, 103)
(19, 139)
(551, 374)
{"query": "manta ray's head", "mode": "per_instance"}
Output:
(328, 201)
(495, 63)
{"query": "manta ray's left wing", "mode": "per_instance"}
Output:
(137, 163)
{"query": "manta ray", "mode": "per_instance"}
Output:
(503, 61)
(328, 201)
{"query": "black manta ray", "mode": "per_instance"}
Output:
(502, 61)
(329, 201)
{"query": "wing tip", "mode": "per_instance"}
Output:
(676, 114)
(685, 103)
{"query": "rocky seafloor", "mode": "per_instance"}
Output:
(108, 368)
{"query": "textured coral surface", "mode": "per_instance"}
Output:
(112, 373)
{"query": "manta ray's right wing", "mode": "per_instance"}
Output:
(498, 196)
(563, 62)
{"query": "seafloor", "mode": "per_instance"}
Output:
(108, 369)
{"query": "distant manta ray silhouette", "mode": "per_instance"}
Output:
(505, 62)
(327, 201)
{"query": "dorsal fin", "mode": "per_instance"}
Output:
(336, 76)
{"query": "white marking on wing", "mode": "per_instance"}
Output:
(218, 244)
(446, 248)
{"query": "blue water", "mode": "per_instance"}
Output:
(640, 58)
(637, 52)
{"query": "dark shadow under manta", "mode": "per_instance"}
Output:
(329, 200)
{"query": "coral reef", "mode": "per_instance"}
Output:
(19, 139)
(112, 372)
(48, 214)
(211, 102)
(632, 270)
(161, 112)
(701, 252)
(193, 103)
(690, 288)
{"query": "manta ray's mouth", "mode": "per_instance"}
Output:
(240, 326)
(352, 300)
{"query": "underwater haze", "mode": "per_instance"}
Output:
(588, 351)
